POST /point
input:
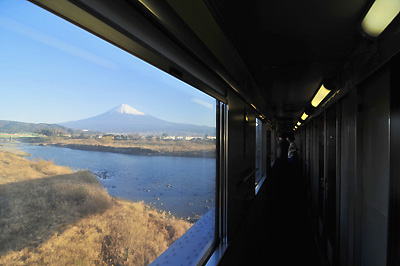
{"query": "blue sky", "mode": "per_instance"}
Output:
(52, 71)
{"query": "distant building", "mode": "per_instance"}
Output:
(191, 138)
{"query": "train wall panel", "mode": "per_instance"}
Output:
(375, 183)
(347, 175)
(394, 199)
(354, 222)
(241, 159)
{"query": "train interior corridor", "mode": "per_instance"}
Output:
(282, 232)
(288, 228)
(324, 72)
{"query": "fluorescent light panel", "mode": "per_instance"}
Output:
(298, 123)
(379, 16)
(321, 94)
(304, 116)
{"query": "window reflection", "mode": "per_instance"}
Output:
(259, 152)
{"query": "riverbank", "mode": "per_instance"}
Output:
(60, 217)
(133, 150)
(12, 147)
(182, 148)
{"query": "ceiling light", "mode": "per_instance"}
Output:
(304, 116)
(379, 16)
(298, 123)
(321, 94)
(295, 127)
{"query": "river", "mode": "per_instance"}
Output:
(184, 186)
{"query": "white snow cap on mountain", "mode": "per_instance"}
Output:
(126, 109)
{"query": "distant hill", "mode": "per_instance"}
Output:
(12, 127)
(125, 119)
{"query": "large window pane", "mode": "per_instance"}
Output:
(104, 159)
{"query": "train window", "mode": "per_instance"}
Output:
(104, 159)
(260, 154)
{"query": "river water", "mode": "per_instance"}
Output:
(185, 186)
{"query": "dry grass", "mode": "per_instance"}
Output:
(14, 168)
(59, 217)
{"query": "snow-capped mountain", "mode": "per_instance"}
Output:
(125, 109)
(126, 119)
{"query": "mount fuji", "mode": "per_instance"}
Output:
(125, 119)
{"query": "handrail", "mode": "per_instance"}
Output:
(247, 177)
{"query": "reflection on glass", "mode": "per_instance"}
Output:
(104, 160)
(259, 151)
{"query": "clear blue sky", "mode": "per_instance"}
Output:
(53, 71)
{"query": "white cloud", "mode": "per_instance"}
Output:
(203, 103)
(54, 42)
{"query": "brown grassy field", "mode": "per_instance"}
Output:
(50, 215)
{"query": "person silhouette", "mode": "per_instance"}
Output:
(281, 152)
(292, 152)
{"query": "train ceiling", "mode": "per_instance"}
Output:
(288, 47)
